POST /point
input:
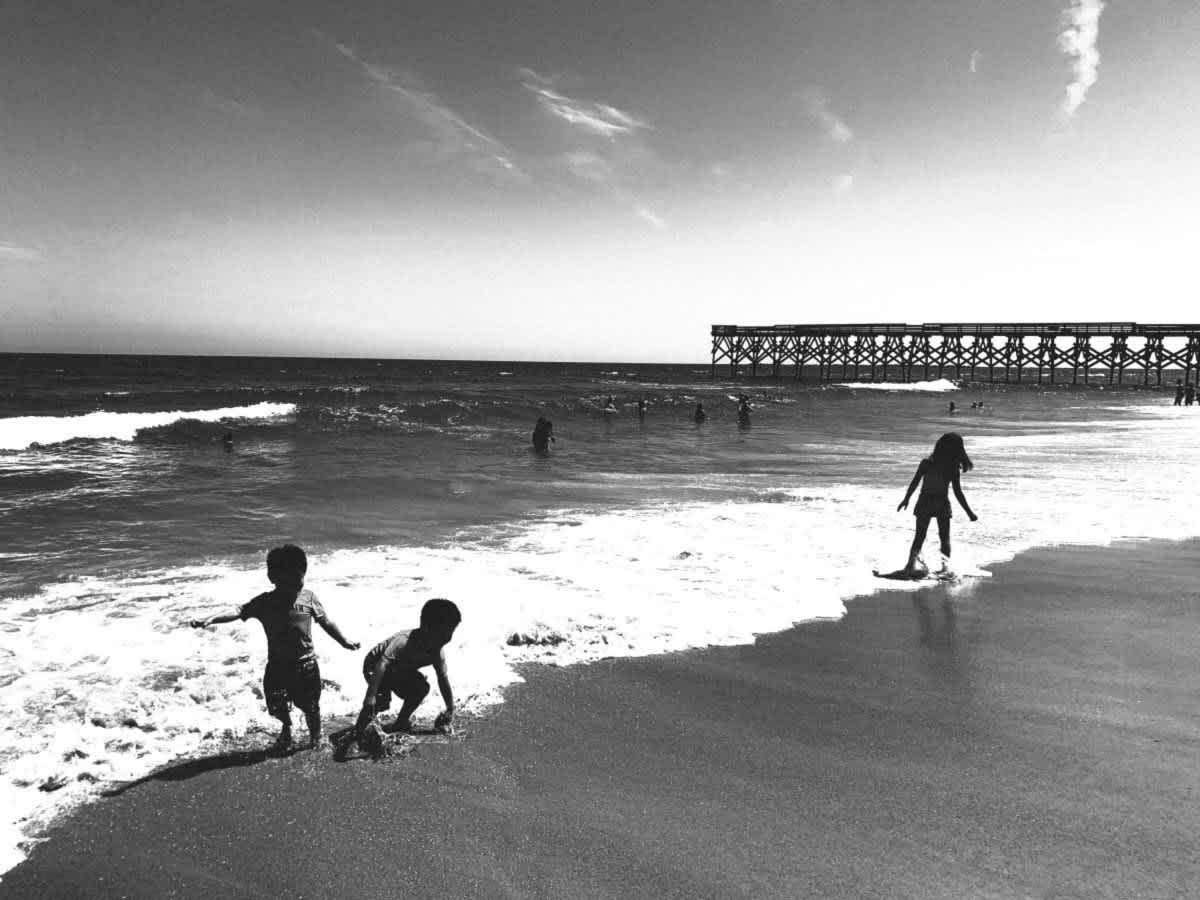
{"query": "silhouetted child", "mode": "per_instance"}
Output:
(641, 408)
(392, 667)
(700, 414)
(940, 472)
(543, 434)
(1179, 392)
(287, 613)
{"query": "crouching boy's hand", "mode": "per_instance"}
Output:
(365, 717)
(444, 723)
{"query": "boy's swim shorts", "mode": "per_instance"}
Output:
(298, 681)
(404, 684)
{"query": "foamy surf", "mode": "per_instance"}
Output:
(750, 543)
(939, 385)
(145, 689)
(22, 432)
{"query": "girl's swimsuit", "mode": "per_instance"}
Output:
(934, 499)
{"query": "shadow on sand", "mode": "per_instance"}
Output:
(181, 771)
(341, 739)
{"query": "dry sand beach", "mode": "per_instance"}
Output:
(1037, 739)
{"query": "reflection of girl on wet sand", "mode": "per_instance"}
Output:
(940, 472)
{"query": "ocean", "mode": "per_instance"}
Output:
(123, 515)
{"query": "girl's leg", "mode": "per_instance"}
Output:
(918, 541)
(944, 535)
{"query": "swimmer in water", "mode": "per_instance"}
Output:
(700, 414)
(543, 435)
(744, 411)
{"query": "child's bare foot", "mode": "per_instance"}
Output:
(283, 743)
(400, 726)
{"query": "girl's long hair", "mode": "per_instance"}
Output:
(949, 455)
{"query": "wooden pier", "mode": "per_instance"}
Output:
(1053, 352)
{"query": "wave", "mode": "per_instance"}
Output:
(937, 386)
(23, 432)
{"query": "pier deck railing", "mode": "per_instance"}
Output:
(971, 351)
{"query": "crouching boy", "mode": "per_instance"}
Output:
(392, 667)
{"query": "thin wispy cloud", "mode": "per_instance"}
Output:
(1081, 29)
(835, 129)
(598, 118)
(451, 133)
(595, 169)
(605, 147)
(10, 252)
(817, 108)
(650, 217)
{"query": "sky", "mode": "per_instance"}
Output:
(567, 180)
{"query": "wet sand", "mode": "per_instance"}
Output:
(1038, 738)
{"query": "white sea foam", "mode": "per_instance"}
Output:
(939, 385)
(103, 681)
(21, 432)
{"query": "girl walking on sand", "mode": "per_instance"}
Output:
(940, 472)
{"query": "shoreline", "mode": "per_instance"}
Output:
(1034, 738)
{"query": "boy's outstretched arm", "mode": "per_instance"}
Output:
(446, 719)
(962, 501)
(912, 486)
(216, 620)
(336, 633)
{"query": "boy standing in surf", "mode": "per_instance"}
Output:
(940, 472)
(392, 667)
(287, 613)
